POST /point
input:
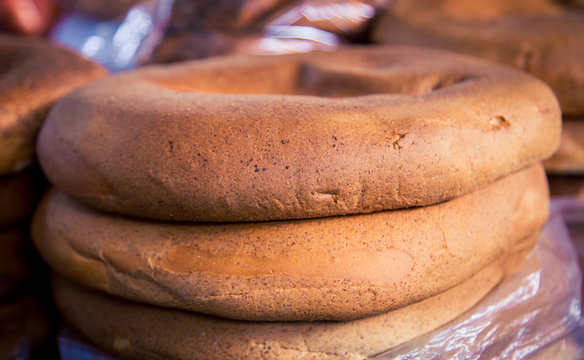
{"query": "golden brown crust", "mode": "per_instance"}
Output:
(138, 331)
(329, 268)
(536, 36)
(290, 137)
(34, 74)
(569, 158)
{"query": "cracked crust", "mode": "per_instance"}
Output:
(33, 75)
(139, 331)
(537, 36)
(334, 268)
(299, 136)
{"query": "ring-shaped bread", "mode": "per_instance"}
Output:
(289, 137)
(138, 331)
(334, 268)
(33, 75)
(540, 37)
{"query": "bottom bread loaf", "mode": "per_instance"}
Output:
(133, 330)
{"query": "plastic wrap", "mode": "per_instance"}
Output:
(72, 346)
(536, 307)
(317, 25)
(118, 44)
(204, 29)
(536, 312)
(269, 27)
(342, 17)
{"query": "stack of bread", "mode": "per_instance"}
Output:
(324, 205)
(28, 87)
(542, 37)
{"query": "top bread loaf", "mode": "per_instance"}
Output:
(297, 136)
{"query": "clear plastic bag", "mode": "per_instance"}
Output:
(118, 44)
(536, 307)
(129, 41)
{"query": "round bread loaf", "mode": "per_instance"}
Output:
(19, 194)
(296, 136)
(569, 158)
(537, 36)
(334, 268)
(139, 331)
(33, 75)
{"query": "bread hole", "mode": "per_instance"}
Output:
(240, 79)
(345, 81)
(310, 78)
(498, 122)
(446, 80)
(321, 81)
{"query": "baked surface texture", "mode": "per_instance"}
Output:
(334, 268)
(291, 137)
(139, 331)
(538, 36)
(33, 75)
